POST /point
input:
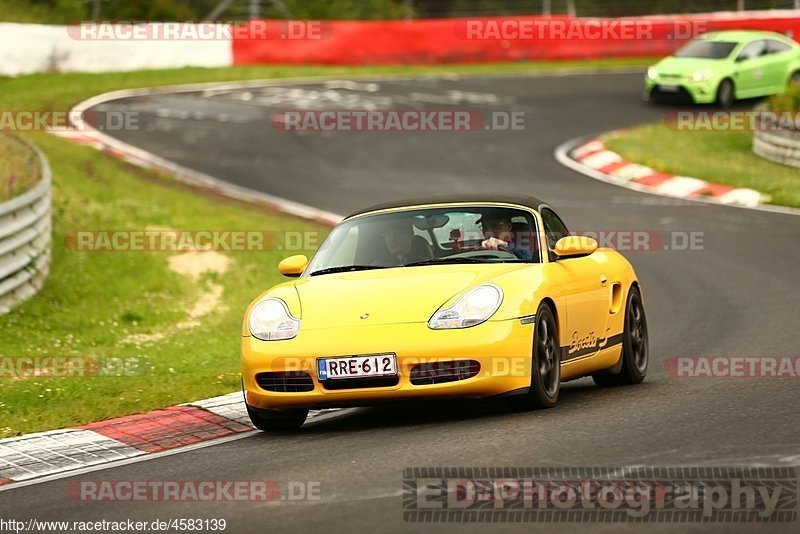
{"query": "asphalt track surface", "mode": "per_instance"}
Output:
(737, 296)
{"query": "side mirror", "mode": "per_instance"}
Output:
(575, 245)
(293, 265)
(739, 59)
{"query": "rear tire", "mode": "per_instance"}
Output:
(725, 94)
(545, 364)
(635, 349)
(277, 421)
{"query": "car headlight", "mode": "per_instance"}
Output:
(473, 308)
(652, 73)
(702, 75)
(270, 320)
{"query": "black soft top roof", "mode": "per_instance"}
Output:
(520, 200)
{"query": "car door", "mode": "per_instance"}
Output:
(586, 293)
(751, 69)
(780, 54)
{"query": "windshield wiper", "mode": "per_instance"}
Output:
(452, 260)
(345, 269)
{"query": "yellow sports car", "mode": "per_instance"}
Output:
(469, 297)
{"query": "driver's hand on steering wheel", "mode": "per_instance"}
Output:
(493, 244)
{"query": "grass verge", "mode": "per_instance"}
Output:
(723, 157)
(131, 309)
(160, 336)
(19, 167)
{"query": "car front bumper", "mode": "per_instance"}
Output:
(503, 349)
(704, 92)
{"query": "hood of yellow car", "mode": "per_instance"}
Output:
(388, 296)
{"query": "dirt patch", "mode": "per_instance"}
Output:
(196, 263)
(192, 264)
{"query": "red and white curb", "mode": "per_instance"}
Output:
(44, 454)
(593, 159)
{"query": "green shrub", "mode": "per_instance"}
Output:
(788, 101)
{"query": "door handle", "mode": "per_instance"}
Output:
(603, 280)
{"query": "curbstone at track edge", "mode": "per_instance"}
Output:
(590, 157)
(42, 456)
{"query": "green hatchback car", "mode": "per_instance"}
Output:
(725, 66)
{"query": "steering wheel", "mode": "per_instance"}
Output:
(475, 244)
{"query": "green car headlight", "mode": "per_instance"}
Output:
(652, 73)
(702, 75)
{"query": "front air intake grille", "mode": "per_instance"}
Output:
(443, 372)
(681, 96)
(360, 383)
(285, 382)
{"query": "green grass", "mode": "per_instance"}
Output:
(723, 157)
(19, 167)
(92, 300)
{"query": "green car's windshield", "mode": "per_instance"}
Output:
(705, 49)
(430, 236)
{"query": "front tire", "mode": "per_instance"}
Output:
(635, 347)
(725, 94)
(794, 81)
(545, 364)
(277, 421)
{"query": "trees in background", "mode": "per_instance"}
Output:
(67, 11)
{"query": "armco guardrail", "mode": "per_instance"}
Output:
(25, 241)
(779, 146)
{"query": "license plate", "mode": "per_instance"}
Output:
(669, 88)
(357, 366)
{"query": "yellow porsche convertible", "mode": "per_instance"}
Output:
(468, 297)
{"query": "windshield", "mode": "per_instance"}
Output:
(704, 49)
(429, 236)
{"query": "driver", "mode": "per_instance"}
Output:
(498, 234)
(403, 246)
